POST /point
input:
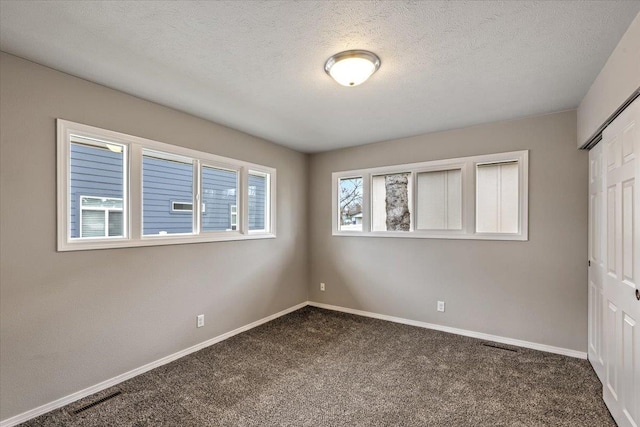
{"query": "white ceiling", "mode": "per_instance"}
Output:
(258, 66)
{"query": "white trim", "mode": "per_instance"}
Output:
(58, 403)
(457, 331)
(467, 165)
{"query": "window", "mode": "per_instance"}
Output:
(219, 196)
(233, 216)
(350, 204)
(117, 190)
(497, 197)
(101, 217)
(439, 200)
(258, 201)
(183, 207)
(166, 177)
(391, 209)
(480, 197)
(97, 183)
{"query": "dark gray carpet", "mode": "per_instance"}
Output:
(321, 368)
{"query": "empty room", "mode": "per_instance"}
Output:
(319, 213)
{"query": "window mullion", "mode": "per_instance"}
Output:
(133, 215)
(366, 203)
(197, 198)
(412, 197)
(469, 198)
(243, 200)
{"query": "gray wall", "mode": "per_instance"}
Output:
(534, 290)
(70, 320)
(617, 80)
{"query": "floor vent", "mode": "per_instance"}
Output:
(97, 402)
(492, 345)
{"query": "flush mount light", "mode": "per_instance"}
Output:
(352, 67)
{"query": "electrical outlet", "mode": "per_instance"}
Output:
(322, 287)
(200, 321)
(440, 305)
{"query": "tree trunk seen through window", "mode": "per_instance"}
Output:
(397, 202)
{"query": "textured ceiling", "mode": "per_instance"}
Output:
(258, 66)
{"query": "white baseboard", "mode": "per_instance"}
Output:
(40, 410)
(466, 333)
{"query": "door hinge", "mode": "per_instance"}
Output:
(589, 263)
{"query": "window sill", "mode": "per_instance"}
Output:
(423, 235)
(94, 244)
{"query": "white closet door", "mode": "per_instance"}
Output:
(596, 257)
(621, 146)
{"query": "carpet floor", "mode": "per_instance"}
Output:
(317, 367)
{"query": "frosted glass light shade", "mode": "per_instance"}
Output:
(352, 67)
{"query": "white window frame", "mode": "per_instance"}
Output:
(467, 165)
(106, 216)
(132, 197)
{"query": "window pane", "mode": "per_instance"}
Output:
(440, 200)
(165, 181)
(350, 204)
(258, 203)
(390, 209)
(96, 182)
(182, 206)
(93, 223)
(115, 223)
(497, 198)
(219, 198)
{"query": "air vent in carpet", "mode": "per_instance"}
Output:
(498, 346)
(97, 402)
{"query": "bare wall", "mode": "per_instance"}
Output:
(617, 80)
(71, 320)
(534, 291)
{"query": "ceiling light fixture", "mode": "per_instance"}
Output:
(352, 67)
